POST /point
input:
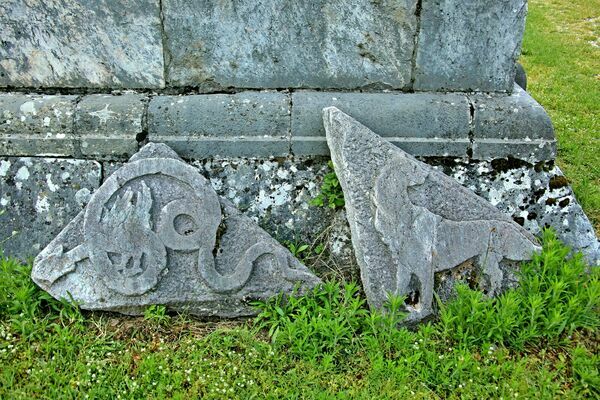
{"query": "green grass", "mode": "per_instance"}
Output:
(537, 341)
(561, 54)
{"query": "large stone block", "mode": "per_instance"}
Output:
(469, 45)
(409, 221)
(110, 126)
(423, 124)
(242, 124)
(289, 44)
(89, 43)
(36, 125)
(39, 197)
(511, 126)
(156, 232)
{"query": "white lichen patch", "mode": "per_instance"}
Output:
(103, 114)
(4, 167)
(28, 108)
(22, 173)
(51, 186)
(42, 205)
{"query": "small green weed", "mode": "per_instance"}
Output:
(331, 322)
(585, 371)
(298, 250)
(157, 314)
(331, 194)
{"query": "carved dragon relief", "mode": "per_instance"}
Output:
(423, 237)
(131, 254)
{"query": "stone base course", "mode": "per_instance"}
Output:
(273, 123)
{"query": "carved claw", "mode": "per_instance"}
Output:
(56, 264)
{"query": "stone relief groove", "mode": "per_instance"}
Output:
(186, 224)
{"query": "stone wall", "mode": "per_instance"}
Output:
(237, 88)
(408, 45)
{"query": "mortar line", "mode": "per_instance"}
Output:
(164, 42)
(471, 126)
(291, 115)
(77, 153)
(413, 69)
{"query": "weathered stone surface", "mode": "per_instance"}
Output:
(274, 44)
(422, 124)
(155, 232)
(242, 124)
(511, 126)
(529, 150)
(535, 196)
(90, 43)
(36, 125)
(469, 45)
(516, 116)
(109, 126)
(39, 197)
(409, 221)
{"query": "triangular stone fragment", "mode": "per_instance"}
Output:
(409, 221)
(157, 233)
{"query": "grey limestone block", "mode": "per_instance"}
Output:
(469, 45)
(424, 124)
(289, 44)
(409, 221)
(156, 232)
(37, 125)
(511, 125)
(241, 124)
(38, 197)
(89, 43)
(108, 126)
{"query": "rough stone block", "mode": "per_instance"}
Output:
(516, 116)
(423, 124)
(35, 125)
(528, 150)
(156, 232)
(243, 124)
(39, 197)
(409, 221)
(511, 126)
(275, 44)
(469, 45)
(109, 126)
(89, 43)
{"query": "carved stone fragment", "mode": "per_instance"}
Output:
(157, 233)
(409, 221)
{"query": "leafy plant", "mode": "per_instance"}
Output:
(586, 371)
(157, 314)
(297, 249)
(556, 296)
(329, 322)
(331, 194)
